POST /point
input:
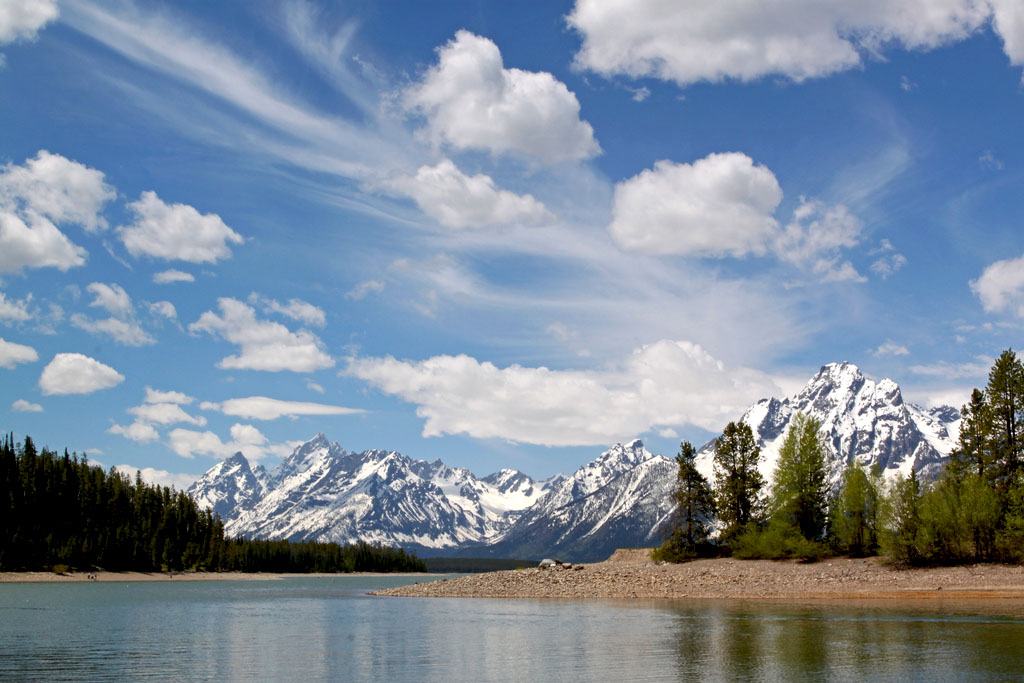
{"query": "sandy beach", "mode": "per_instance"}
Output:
(630, 574)
(123, 577)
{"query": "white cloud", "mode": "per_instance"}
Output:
(176, 232)
(12, 354)
(122, 326)
(906, 84)
(165, 414)
(156, 396)
(35, 242)
(263, 408)
(169, 276)
(23, 406)
(61, 190)
(74, 373)
(245, 438)
(141, 432)
(890, 348)
(989, 160)
(471, 101)
(664, 384)
(668, 433)
(1001, 287)
(111, 298)
(815, 237)
(889, 261)
(164, 309)
(296, 309)
(265, 345)
(948, 371)
(720, 205)
(362, 289)
(458, 201)
(22, 19)
(157, 477)
(14, 309)
(691, 40)
(313, 386)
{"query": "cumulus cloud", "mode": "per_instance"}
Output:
(890, 348)
(690, 40)
(471, 101)
(458, 201)
(717, 206)
(265, 345)
(176, 232)
(815, 237)
(61, 190)
(296, 309)
(1001, 287)
(21, 20)
(23, 406)
(140, 432)
(15, 310)
(245, 438)
(157, 396)
(12, 354)
(165, 414)
(361, 290)
(164, 309)
(74, 373)
(122, 325)
(664, 385)
(889, 260)
(35, 242)
(263, 408)
(169, 276)
(157, 477)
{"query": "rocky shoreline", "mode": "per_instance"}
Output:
(631, 575)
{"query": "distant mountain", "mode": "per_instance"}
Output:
(322, 492)
(622, 499)
(861, 420)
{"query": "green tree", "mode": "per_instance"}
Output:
(799, 493)
(854, 515)
(738, 483)
(974, 450)
(1005, 394)
(902, 537)
(695, 505)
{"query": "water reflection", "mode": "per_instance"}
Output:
(321, 630)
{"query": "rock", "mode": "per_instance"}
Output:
(546, 564)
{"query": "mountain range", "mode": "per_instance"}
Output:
(623, 498)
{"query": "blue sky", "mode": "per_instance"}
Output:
(501, 234)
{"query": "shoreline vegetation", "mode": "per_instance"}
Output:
(631, 574)
(134, 577)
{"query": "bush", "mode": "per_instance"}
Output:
(777, 541)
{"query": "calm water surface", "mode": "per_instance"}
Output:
(324, 629)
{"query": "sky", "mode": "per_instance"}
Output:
(499, 234)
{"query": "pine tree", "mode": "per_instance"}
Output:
(738, 483)
(695, 505)
(799, 492)
(974, 450)
(1005, 394)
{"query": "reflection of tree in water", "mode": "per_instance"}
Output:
(770, 641)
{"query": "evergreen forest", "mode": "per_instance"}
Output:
(59, 512)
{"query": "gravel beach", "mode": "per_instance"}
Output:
(631, 574)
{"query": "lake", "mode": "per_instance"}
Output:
(329, 629)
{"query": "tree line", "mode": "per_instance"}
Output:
(60, 511)
(972, 512)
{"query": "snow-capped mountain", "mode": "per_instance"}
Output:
(325, 493)
(231, 485)
(623, 499)
(861, 420)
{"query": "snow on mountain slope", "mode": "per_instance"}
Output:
(861, 420)
(230, 485)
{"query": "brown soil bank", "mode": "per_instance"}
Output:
(629, 574)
